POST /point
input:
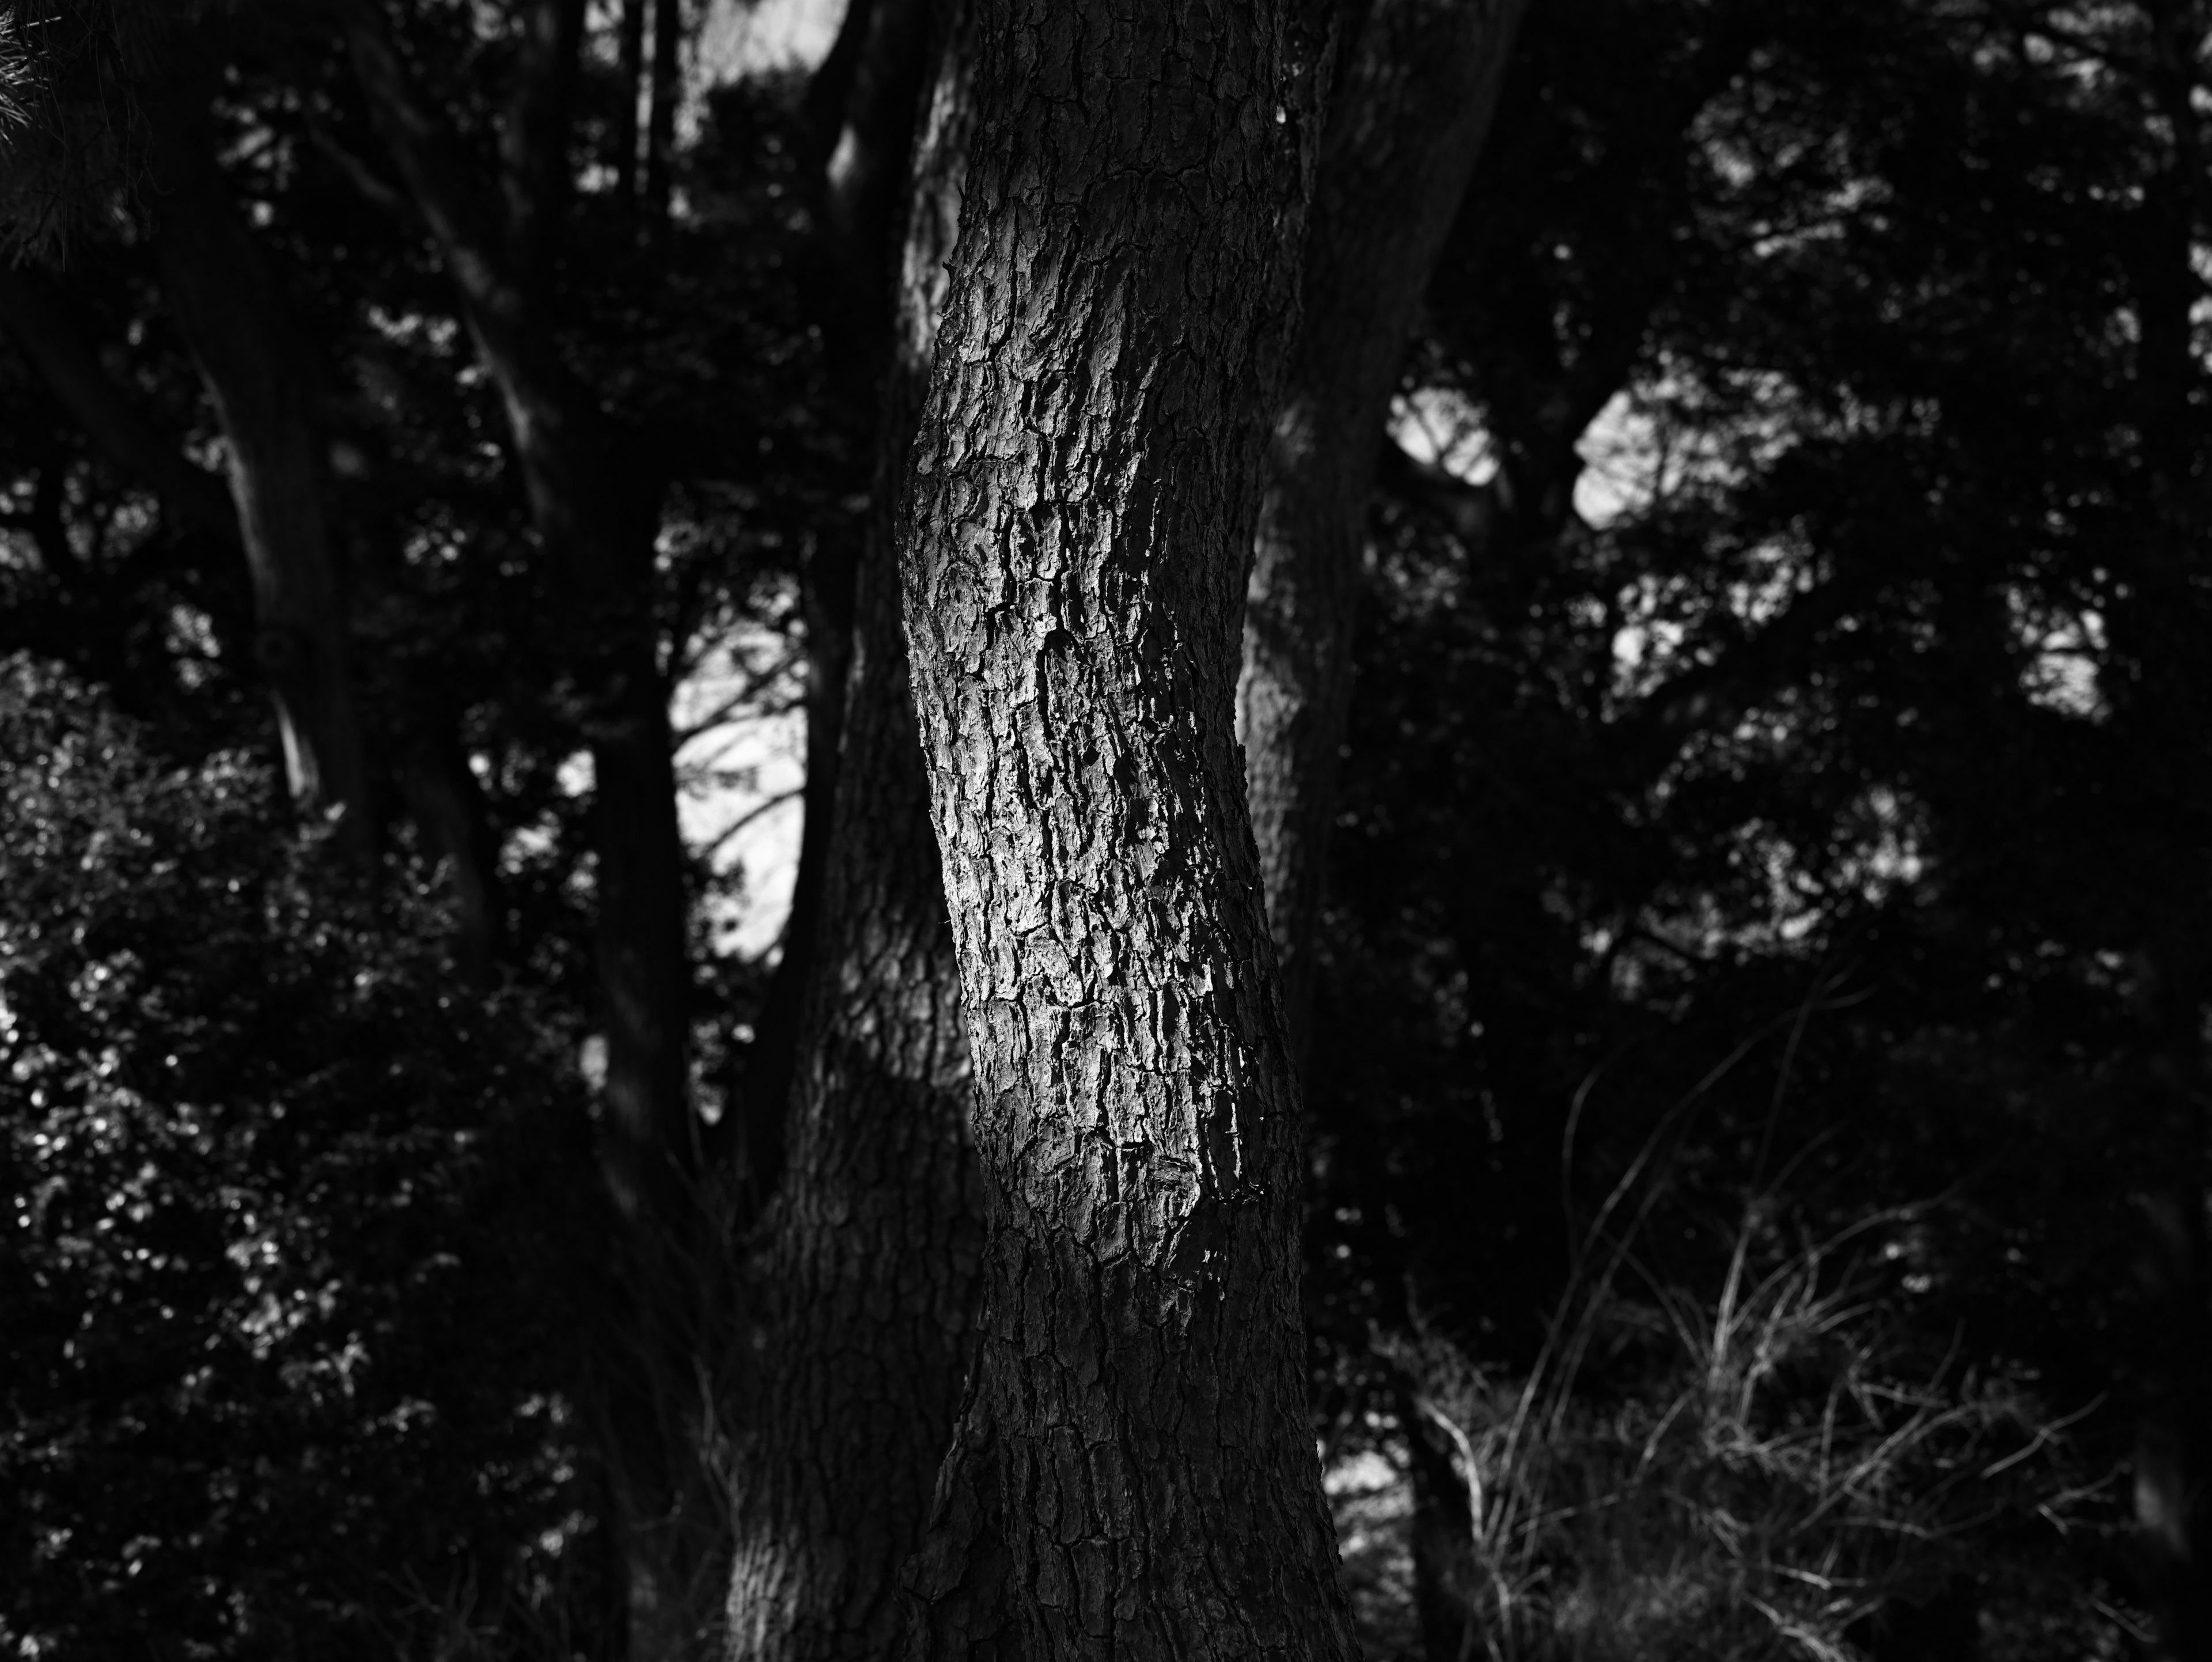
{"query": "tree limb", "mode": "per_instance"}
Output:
(50, 339)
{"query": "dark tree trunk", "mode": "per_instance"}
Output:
(868, 1255)
(533, 144)
(2164, 711)
(447, 803)
(440, 792)
(660, 121)
(864, 104)
(861, 104)
(593, 504)
(597, 522)
(861, 1286)
(232, 315)
(629, 72)
(72, 369)
(1412, 100)
(1441, 1528)
(1134, 1470)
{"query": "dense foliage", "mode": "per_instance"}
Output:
(1773, 804)
(289, 1262)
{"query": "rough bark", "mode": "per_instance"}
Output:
(862, 1281)
(1134, 1472)
(868, 1255)
(861, 104)
(227, 305)
(1412, 102)
(593, 505)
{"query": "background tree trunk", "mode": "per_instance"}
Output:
(227, 305)
(1412, 102)
(629, 73)
(440, 792)
(593, 503)
(867, 1266)
(72, 371)
(660, 123)
(860, 107)
(1134, 1472)
(2164, 708)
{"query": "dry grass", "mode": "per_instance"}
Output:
(1778, 1474)
(1756, 1468)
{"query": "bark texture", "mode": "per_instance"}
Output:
(1412, 100)
(869, 1252)
(1134, 1472)
(226, 302)
(862, 1284)
(860, 108)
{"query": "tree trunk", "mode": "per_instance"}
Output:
(597, 521)
(447, 805)
(593, 503)
(2162, 709)
(862, 108)
(533, 141)
(441, 794)
(1412, 100)
(66, 360)
(1134, 1470)
(861, 1285)
(227, 304)
(630, 75)
(1441, 1543)
(869, 1253)
(660, 123)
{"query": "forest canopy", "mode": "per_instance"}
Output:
(1553, 655)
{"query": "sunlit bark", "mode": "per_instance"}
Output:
(1134, 1473)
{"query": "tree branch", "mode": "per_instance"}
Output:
(66, 360)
